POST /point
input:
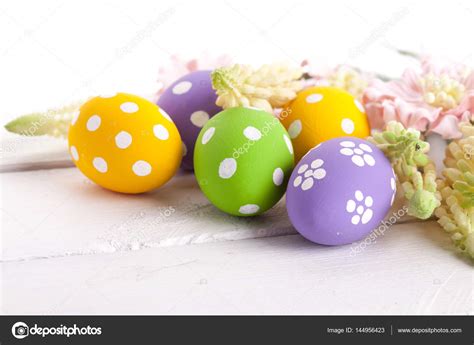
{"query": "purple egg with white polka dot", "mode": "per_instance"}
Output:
(191, 102)
(340, 191)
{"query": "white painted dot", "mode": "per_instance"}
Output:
(108, 95)
(278, 176)
(359, 106)
(347, 126)
(369, 160)
(295, 129)
(360, 209)
(129, 107)
(141, 168)
(355, 219)
(297, 181)
(182, 87)
(359, 196)
(347, 143)
(123, 140)
(93, 123)
(100, 164)
(350, 206)
(346, 151)
(308, 173)
(365, 147)
(302, 168)
(199, 118)
(288, 143)
(367, 216)
(74, 153)
(165, 115)
(317, 163)
(307, 184)
(208, 135)
(161, 132)
(358, 151)
(75, 116)
(252, 133)
(392, 183)
(314, 98)
(357, 160)
(319, 174)
(227, 168)
(185, 149)
(249, 209)
(369, 201)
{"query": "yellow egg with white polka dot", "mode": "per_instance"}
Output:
(125, 143)
(321, 113)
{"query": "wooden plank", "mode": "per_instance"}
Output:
(409, 270)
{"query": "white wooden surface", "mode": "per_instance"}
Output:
(69, 247)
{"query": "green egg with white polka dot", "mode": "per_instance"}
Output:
(242, 161)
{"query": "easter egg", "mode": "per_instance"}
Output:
(340, 191)
(318, 114)
(191, 102)
(242, 160)
(124, 143)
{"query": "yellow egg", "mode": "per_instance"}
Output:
(318, 114)
(124, 143)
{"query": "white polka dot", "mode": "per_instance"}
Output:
(359, 196)
(252, 133)
(93, 123)
(369, 160)
(288, 143)
(249, 209)
(208, 135)
(365, 147)
(355, 219)
(367, 216)
(161, 132)
(165, 115)
(359, 106)
(295, 129)
(227, 168)
(350, 206)
(357, 160)
(317, 163)
(141, 168)
(297, 181)
(358, 151)
(314, 98)
(369, 201)
(182, 87)
(302, 168)
(100, 164)
(108, 95)
(347, 143)
(123, 140)
(392, 183)
(347, 126)
(199, 118)
(185, 149)
(129, 107)
(346, 151)
(360, 209)
(278, 176)
(74, 153)
(75, 116)
(308, 173)
(319, 174)
(307, 184)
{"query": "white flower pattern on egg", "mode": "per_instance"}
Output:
(360, 155)
(360, 208)
(308, 173)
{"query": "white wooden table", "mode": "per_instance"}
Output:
(70, 247)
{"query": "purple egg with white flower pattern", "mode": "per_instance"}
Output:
(340, 191)
(191, 102)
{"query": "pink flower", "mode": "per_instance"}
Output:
(178, 67)
(435, 99)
